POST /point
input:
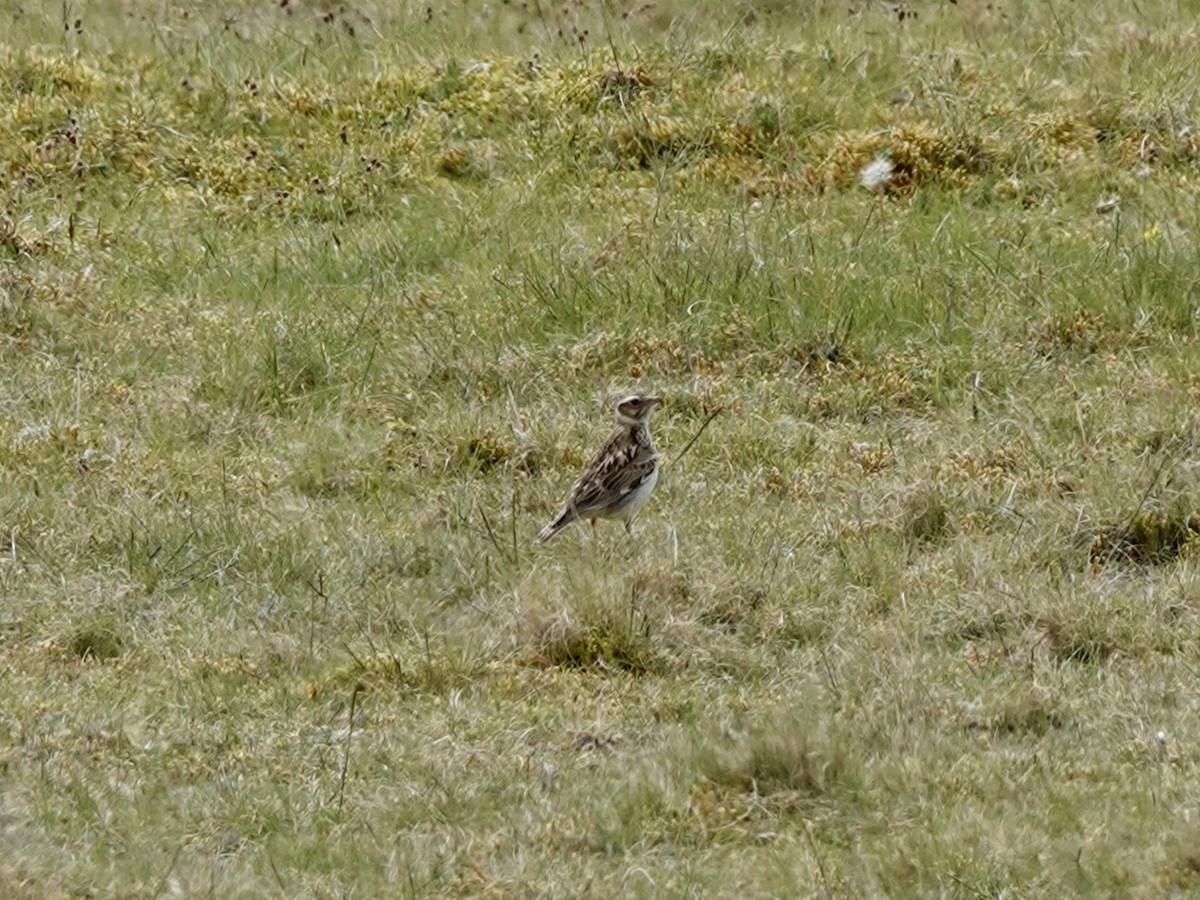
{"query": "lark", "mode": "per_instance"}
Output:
(617, 481)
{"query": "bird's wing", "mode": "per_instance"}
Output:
(617, 468)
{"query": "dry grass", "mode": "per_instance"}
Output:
(310, 313)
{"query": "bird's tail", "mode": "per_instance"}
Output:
(557, 524)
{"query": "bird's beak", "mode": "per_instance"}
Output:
(656, 401)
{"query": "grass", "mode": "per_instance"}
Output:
(310, 314)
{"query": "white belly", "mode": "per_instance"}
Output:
(635, 499)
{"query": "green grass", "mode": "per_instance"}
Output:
(310, 314)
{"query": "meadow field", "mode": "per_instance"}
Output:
(310, 313)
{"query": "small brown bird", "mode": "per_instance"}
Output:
(617, 481)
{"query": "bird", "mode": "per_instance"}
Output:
(618, 479)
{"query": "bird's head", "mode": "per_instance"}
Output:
(637, 408)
